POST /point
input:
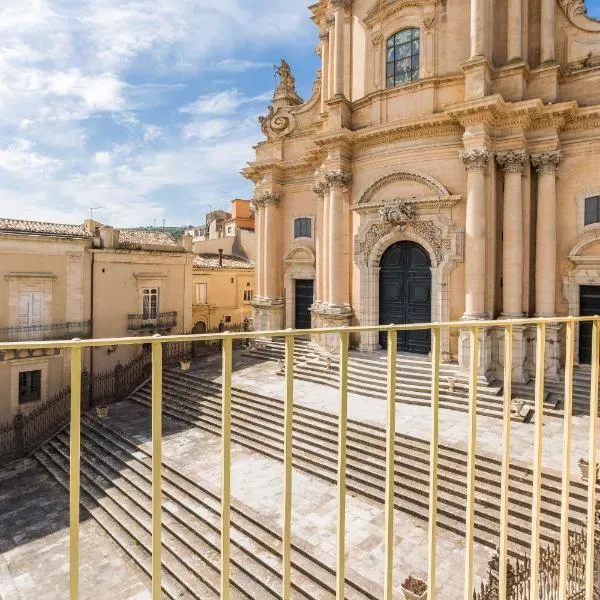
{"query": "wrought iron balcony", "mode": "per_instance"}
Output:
(55, 331)
(162, 322)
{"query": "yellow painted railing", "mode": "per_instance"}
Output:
(75, 347)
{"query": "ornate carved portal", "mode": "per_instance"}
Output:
(426, 221)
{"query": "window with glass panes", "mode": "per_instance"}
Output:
(403, 57)
(592, 210)
(302, 227)
(150, 303)
(30, 386)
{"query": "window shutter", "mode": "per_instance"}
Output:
(24, 310)
(36, 308)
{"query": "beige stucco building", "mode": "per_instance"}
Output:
(223, 290)
(66, 281)
(445, 168)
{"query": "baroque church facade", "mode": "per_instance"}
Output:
(446, 167)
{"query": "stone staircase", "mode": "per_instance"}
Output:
(367, 376)
(257, 424)
(116, 491)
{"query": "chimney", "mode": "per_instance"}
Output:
(187, 243)
(220, 257)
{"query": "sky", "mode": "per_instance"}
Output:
(144, 110)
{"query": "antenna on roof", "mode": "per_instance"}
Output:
(92, 209)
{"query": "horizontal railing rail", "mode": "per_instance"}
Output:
(54, 331)
(141, 322)
(535, 581)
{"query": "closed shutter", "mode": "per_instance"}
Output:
(30, 309)
(24, 304)
(36, 308)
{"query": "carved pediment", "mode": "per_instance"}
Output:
(383, 9)
(398, 212)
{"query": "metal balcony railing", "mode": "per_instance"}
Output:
(161, 322)
(531, 589)
(56, 331)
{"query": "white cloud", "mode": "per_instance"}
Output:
(222, 103)
(103, 158)
(237, 65)
(21, 158)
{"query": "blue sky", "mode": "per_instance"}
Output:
(146, 108)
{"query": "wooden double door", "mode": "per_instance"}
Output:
(405, 294)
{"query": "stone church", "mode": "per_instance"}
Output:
(446, 167)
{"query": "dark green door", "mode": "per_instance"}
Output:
(405, 294)
(304, 300)
(589, 306)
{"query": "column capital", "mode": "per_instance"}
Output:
(546, 163)
(476, 159)
(343, 4)
(267, 198)
(324, 36)
(338, 179)
(256, 204)
(320, 188)
(428, 22)
(513, 161)
(330, 20)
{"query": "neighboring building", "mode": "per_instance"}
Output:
(66, 281)
(424, 178)
(223, 290)
(235, 232)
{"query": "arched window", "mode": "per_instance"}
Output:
(403, 57)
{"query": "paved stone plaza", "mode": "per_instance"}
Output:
(34, 515)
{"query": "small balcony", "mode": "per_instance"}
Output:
(143, 324)
(56, 331)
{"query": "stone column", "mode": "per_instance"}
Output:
(324, 37)
(271, 244)
(259, 226)
(376, 39)
(514, 40)
(547, 30)
(477, 28)
(340, 7)
(338, 182)
(513, 163)
(476, 162)
(321, 190)
(546, 165)
(330, 21)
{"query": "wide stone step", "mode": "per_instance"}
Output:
(134, 538)
(250, 538)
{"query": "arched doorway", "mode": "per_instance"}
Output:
(405, 294)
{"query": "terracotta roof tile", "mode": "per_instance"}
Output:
(211, 261)
(149, 240)
(59, 229)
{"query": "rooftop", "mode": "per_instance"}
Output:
(128, 239)
(211, 261)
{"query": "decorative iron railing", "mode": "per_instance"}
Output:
(56, 331)
(532, 578)
(161, 322)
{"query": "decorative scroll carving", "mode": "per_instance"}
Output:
(513, 161)
(371, 237)
(344, 4)
(546, 163)
(317, 83)
(476, 159)
(397, 212)
(324, 36)
(428, 23)
(321, 188)
(576, 12)
(338, 179)
(267, 198)
(279, 120)
(376, 39)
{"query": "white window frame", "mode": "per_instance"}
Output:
(199, 295)
(249, 292)
(21, 284)
(150, 292)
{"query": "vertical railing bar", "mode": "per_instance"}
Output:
(505, 476)
(566, 476)
(472, 445)
(74, 472)
(592, 460)
(537, 459)
(433, 460)
(287, 460)
(390, 453)
(226, 466)
(341, 484)
(157, 363)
